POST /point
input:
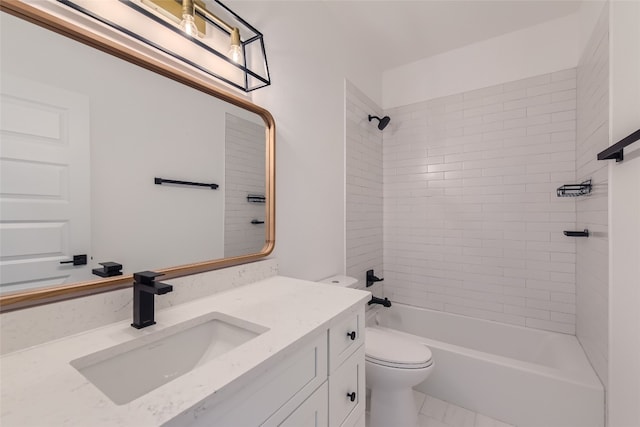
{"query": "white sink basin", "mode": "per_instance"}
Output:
(132, 369)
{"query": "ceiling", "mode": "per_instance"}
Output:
(394, 33)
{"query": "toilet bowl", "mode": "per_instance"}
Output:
(393, 365)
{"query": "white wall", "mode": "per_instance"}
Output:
(624, 219)
(588, 16)
(540, 49)
(308, 64)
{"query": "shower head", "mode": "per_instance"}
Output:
(383, 122)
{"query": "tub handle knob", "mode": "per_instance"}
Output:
(352, 396)
(352, 335)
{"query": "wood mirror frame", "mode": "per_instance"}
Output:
(28, 298)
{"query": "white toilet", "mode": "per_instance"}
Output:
(394, 364)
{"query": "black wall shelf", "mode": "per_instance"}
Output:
(256, 198)
(616, 151)
(574, 190)
(584, 233)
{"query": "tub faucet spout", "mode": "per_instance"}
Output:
(376, 300)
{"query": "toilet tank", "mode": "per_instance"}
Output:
(343, 281)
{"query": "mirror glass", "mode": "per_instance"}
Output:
(85, 138)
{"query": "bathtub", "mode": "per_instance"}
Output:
(523, 376)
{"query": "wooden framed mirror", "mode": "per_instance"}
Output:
(166, 122)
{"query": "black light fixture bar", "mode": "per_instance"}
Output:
(616, 151)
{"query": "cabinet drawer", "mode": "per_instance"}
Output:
(344, 337)
(288, 384)
(313, 412)
(347, 391)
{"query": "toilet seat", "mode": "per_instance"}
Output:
(394, 351)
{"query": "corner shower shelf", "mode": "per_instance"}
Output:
(574, 190)
(256, 198)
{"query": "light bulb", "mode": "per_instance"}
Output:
(188, 25)
(235, 52)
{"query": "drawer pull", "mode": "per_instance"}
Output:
(352, 396)
(352, 335)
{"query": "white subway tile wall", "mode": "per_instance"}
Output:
(244, 175)
(592, 266)
(363, 187)
(472, 224)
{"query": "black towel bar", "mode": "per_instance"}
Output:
(616, 151)
(160, 181)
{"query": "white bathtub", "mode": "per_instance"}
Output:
(522, 376)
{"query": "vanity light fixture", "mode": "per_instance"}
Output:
(235, 51)
(216, 40)
(188, 23)
(219, 26)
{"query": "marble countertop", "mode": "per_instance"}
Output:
(40, 387)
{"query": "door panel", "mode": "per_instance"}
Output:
(44, 184)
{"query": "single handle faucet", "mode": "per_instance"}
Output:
(144, 288)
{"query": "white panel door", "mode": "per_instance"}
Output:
(44, 184)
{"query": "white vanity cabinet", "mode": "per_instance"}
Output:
(272, 397)
(319, 385)
(305, 369)
(346, 371)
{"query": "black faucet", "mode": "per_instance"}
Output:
(371, 278)
(144, 288)
(376, 300)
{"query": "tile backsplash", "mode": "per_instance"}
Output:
(31, 326)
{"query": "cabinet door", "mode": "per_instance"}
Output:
(346, 391)
(313, 412)
(284, 386)
(345, 337)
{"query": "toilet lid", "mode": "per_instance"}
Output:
(389, 349)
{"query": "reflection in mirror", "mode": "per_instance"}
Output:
(84, 134)
(244, 183)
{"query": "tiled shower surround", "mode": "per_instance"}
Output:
(592, 263)
(363, 186)
(244, 175)
(472, 223)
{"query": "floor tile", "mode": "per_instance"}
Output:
(434, 408)
(425, 421)
(419, 399)
(484, 421)
(434, 412)
(455, 416)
